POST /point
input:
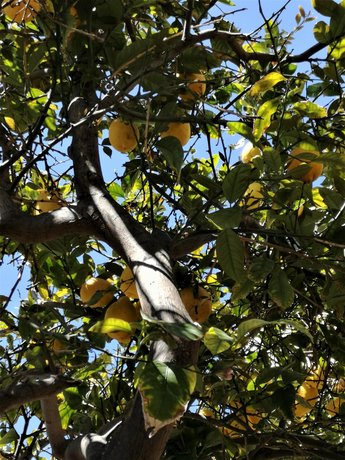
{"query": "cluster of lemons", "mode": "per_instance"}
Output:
(307, 397)
(299, 157)
(98, 293)
(124, 136)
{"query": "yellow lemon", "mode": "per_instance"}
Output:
(127, 285)
(123, 136)
(305, 157)
(239, 424)
(122, 309)
(196, 86)
(198, 304)
(93, 286)
(310, 393)
(182, 131)
(333, 406)
(249, 152)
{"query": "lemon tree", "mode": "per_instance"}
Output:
(179, 165)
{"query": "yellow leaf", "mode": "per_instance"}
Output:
(10, 123)
(317, 199)
(266, 83)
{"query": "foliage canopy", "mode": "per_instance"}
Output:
(179, 217)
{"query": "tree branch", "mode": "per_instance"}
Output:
(52, 420)
(32, 388)
(22, 227)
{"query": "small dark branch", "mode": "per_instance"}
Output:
(52, 420)
(307, 54)
(268, 26)
(247, 56)
(14, 287)
(130, 29)
(188, 20)
(21, 440)
(32, 388)
(7, 144)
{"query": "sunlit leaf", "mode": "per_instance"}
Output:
(111, 324)
(9, 437)
(248, 326)
(264, 114)
(266, 83)
(241, 128)
(183, 330)
(321, 32)
(325, 7)
(216, 340)
(310, 109)
(166, 382)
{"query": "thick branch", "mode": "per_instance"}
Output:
(148, 256)
(144, 447)
(52, 420)
(22, 227)
(33, 388)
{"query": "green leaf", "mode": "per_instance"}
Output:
(230, 252)
(337, 24)
(268, 374)
(325, 7)
(260, 268)
(135, 54)
(172, 150)
(272, 158)
(9, 437)
(66, 412)
(249, 326)
(280, 289)
(217, 341)
(165, 388)
(241, 128)
(236, 182)
(321, 32)
(183, 330)
(266, 83)
(264, 114)
(241, 289)
(226, 218)
(116, 191)
(284, 398)
(73, 397)
(298, 326)
(310, 109)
